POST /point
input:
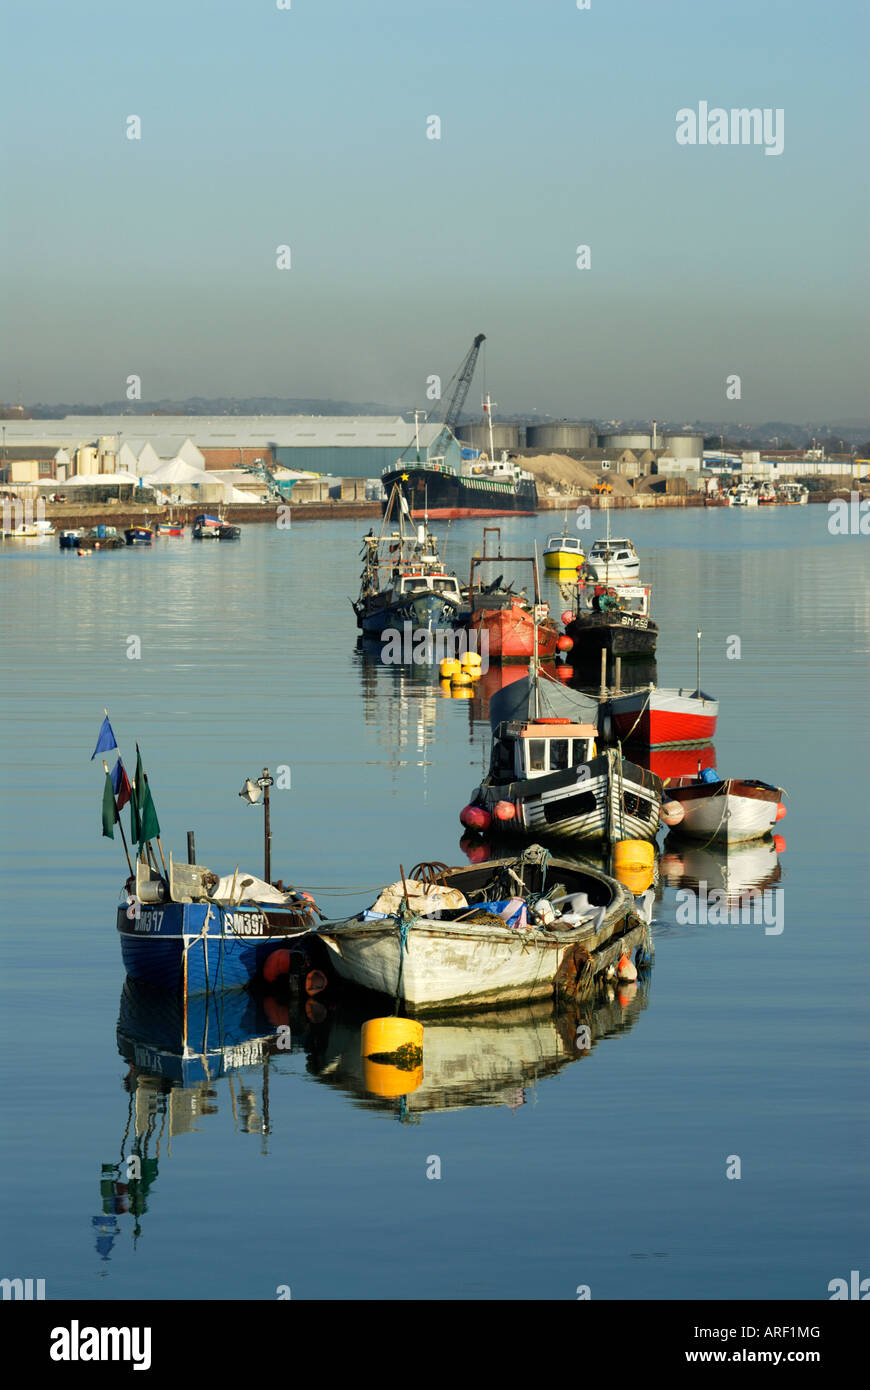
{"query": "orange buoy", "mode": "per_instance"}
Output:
(277, 965)
(564, 643)
(672, 812)
(475, 818)
(779, 844)
(780, 810)
(626, 970)
(505, 810)
(565, 673)
(315, 982)
(476, 852)
(567, 617)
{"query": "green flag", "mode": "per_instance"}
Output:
(110, 815)
(147, 826)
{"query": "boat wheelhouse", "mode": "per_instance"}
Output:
(546, 776)
(613, 560)
(563, 552)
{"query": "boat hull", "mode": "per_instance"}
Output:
(663, 718)
(169, 940)
(626, 636)
(442, 494)
(606, 799)
(511, 634)
(726, 812)
(425, 612)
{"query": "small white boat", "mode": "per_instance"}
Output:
(439, 958)
(30, 530)
(743, 496)
(613, 561)
(726, 811)
(793, 494)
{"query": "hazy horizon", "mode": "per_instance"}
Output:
(307, 127)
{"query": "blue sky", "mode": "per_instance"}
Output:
(263, 127)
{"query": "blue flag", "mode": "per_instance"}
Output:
(105, 739)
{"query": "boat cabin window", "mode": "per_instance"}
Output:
(540, 755)
(446, 583)
(536, 755)
(559, 754)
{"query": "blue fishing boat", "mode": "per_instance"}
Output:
(404, 579)
(139, 535)
(194, 932)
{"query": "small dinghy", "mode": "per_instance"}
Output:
(726, 811)
(511, 929)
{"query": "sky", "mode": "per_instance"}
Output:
(306, 127)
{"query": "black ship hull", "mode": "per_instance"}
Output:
(441, 493)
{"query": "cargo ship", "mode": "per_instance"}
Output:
(482, 486)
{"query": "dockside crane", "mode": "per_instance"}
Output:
(458, 387)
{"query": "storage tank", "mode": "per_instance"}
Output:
(624, 439)
(559, 434)
(503, 437)
(684, 446)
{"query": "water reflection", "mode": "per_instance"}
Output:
(183, 1064)
(735, 870)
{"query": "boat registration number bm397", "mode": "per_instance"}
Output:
(246, 923)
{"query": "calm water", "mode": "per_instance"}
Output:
(556, 1170)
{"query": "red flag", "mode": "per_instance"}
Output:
(121, 785)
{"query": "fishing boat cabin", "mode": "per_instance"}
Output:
(524, 749)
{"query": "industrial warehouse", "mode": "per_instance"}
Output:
(236, 459)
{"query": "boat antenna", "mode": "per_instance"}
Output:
(698, 690)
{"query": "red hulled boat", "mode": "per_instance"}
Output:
(662, 718)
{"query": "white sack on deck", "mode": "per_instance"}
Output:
(255, 890)
(420, 900)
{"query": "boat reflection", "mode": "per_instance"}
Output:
(475, 1059)
(735, 870)
(179, 1061)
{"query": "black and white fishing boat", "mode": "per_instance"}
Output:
(547, 776)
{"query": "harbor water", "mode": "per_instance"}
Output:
(524, 1166)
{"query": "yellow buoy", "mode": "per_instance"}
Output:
(392, 1051)
(636, 877)
(448, 668)
(471, 661)
(633, 854)
(387, 1034)
(461, 678)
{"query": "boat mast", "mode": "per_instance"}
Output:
(487, 409)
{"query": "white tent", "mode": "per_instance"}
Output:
(176, 472)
